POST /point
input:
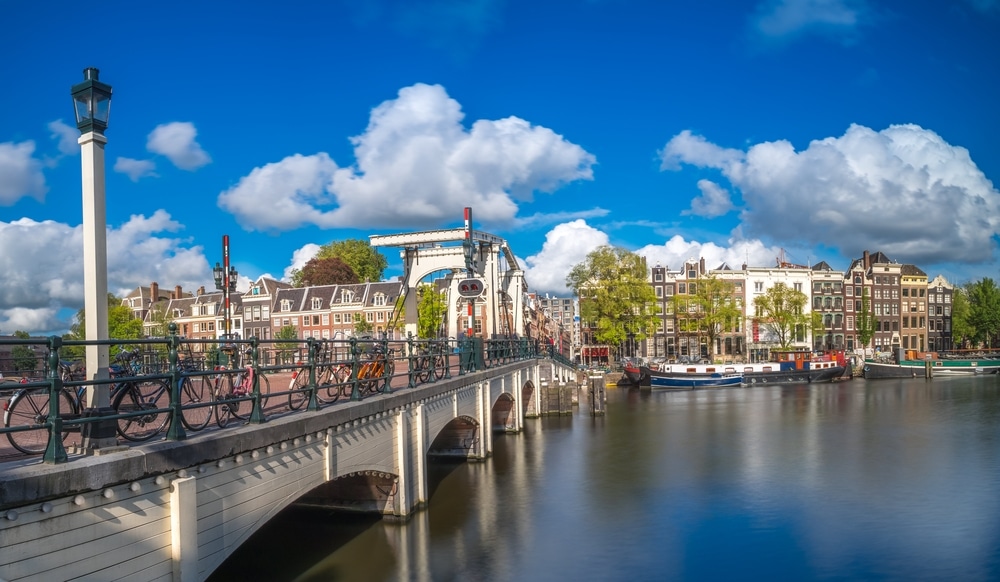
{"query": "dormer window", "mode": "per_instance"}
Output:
(317, 303)
(255, 290)
(286, 305)
(379, 299)
(346, 296)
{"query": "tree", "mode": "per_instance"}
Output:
(366, 262)
(984, 311)
(325, 271)
(361, 325)
(23, 356)
(865, 321)
(709, 311)
(286, 344)
(431, 308)
(962, 332)
(614, 294)
(121, 325)
(780, 310)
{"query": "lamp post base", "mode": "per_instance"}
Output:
(101, 435)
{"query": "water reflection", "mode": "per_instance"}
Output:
(888, 480)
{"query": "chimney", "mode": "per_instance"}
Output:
(701, 264)
(867, 260)
(154, 292)
(177, 292)
(201, 291)
(744, 266)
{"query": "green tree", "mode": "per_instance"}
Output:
(121, 325)
(984, 311)
(709, 312)
(325, 271)
(432, 305)
(23, 356)
(366, 262)
(286, 344)
(962, 331)
(614, 294)
(865, 321)
(361, 325)
(780, 310)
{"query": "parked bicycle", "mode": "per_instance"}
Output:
(331, 382)
(30, 406)
(233, 393)
(430, 360)
(376, 373)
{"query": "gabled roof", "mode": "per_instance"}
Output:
(822, 266)
(913, 271)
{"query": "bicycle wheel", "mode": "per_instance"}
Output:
(298, 389)
(439, 366)
(31, 407)
(389, 373)
(226, 405)
(196, 401)
(265, 390)
(336, 386)
(421, 369)
(146, 395)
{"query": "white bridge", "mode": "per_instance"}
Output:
(174, 510)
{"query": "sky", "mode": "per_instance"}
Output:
(737, 131)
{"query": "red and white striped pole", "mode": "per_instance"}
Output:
(225, 284)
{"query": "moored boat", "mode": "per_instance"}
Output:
(931, 366)
(800, 367)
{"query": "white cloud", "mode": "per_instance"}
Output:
(68, 137)
(135, 169)
(696, 150)
(714, 201)
(675, 251)
(902, 190)
(417, 166)
(299, 259)
(20, 173)
(43, 263)
(176, 141)
(565, 246)
(780, 19)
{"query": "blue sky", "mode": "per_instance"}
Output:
(728, 130)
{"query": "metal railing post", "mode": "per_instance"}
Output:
(176, 430)
(257, 415)
(445, 347)
(411, 359)
(355, 384)
(388, 366)
(311, 359)
(55, 452)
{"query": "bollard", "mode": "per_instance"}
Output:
(597, 396)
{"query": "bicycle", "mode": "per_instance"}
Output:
(430, 360)
(377, 372)
(30, 407)
(331, 381)
(233, 393)
(136, 395)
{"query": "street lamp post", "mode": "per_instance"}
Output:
(225, 280)
(92, 106)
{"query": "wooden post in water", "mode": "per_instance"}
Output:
(928, 369)
(597, 396)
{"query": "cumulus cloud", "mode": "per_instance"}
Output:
(67, 137)
(20, 173)
(675, 251)
(176, 142)
(135, 169)
(415, 165)
(903, 190)
(714, 201)
(565, 246)
(43, 266)
(784, 19)
(299, 259)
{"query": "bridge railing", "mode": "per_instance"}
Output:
(180, 384)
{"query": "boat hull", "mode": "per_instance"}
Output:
(692, 381)
(810, 376)
(919, 369)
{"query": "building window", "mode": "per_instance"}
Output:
(758, 287)
(265, 313)
(336, 318)
(326, 319)
(379, 300)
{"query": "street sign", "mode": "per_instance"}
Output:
(470, 287)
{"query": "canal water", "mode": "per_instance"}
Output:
(881, 480)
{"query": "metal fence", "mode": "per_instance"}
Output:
(168, 387)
